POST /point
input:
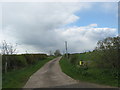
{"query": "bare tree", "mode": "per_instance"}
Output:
(7, 49)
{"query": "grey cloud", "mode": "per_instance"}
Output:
(39, 26)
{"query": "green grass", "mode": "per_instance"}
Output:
(84, 56)
(94, 75)
(18, 78)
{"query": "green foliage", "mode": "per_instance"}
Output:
(17, 61)
(14, 61)
(73, 59)
(108, 51)
(102, 66)
(29, 58)
(20, 61)
(85, 56)
(95, 75)
(18, 78)
(105, 56)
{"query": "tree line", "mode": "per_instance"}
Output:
(12, 61)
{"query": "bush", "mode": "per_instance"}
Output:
(39, 56)
(73, 58)
(13, 62)
(29, 58)
(32, 58)
(20, 61)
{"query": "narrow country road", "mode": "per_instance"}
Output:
(51, 76)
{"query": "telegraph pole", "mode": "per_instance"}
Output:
(66, 49)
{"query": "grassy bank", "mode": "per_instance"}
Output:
(18, 78)
(92, 74)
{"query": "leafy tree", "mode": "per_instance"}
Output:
(108, 51)
(57, 53)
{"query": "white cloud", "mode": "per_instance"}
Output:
(38, 27)
(85, 38)
(34, 23)
(93, 25)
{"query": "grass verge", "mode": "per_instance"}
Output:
(18, 78)
(94, 75)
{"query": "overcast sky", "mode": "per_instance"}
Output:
(41, 27)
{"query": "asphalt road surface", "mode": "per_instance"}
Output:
(51, 76)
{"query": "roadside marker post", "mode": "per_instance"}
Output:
(80, 63)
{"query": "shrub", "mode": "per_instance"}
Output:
(20, 61)
(73, 58)
(13, 62)
(39, 56)
(29, 58)
(32, 58)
